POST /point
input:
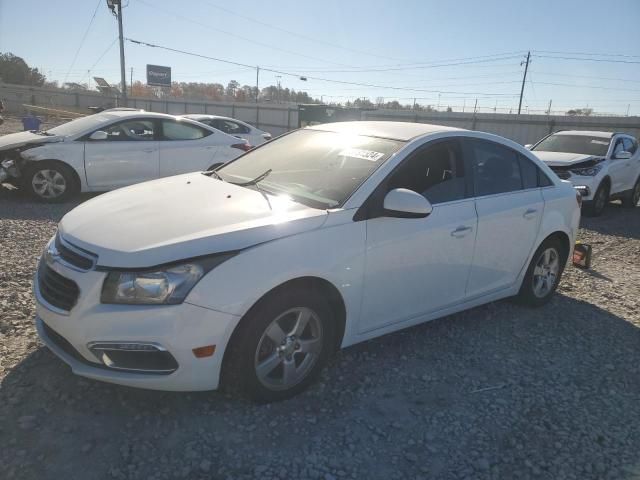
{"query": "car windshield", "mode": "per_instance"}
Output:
(80, 125)
(584, 144)
(316, 168)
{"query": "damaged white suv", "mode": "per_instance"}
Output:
(602, 166)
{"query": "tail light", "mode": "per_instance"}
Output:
(242, 146)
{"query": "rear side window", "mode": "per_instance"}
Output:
(529, 172)
(496, 168)
(182, 131)
(232, 128)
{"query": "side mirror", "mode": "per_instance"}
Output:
(98, 135)
(528, 146)
(404, 203)
(623, 156)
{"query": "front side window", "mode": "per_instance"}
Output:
(232, 128)
(496, 169)
(181, 131)
(585, 144)
(618, 147)
(316, 168)
(435, 172)
(630, 146)
(131, 131)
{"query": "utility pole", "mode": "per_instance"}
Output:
(549, 109)
(116, 8)
(279, 93)
(628, 108)
(131, 83)
(257, 83)
(524, 79)
(475, 107)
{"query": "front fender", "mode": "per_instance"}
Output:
(69, 153)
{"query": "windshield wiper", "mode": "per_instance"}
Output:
(255, 181)
(214, 174)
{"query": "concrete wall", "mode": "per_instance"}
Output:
(278, 119)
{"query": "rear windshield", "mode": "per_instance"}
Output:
(316, 168)
(583, 144)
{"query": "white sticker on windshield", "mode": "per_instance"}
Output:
(600, 142)
(363, 154)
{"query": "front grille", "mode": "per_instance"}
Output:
(57, 290)
(74, 257)
(62, 343)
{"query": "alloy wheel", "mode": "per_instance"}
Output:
(545, 273)
(48, 183)
(289, 348)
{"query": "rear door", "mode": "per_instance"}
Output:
(185, 147)
(129, 155)
(510, 207)
(619, 168)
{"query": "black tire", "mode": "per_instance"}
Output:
(600, 201)
(62, 181)
(631, 200)
(249, 346)
(528, 294)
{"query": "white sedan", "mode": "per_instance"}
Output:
(234, 127)
(328, 236)
(109, 150)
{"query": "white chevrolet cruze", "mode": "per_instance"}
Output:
(253, 274)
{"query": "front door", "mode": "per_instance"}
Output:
(129, 155)
(420, 265)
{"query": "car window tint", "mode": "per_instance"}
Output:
(619, 147)
(543, 180)
(529, 172)
(181, 131)
(496, 169)
(436, 172)
(232, 128)
(131, 130)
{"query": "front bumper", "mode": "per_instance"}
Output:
(176, 328)
(587, 186)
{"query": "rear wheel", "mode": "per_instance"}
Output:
(599, 202)
(544, 273)
(281, 345)
(50, 182)
(631, 200)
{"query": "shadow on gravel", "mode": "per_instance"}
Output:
(500, 391)
(616, 220)
(15, 205)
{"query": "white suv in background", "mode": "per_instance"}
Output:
(602, 166)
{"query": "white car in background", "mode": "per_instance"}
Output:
(110, 150)
(325, 237)
(234, 127)
(602, 166)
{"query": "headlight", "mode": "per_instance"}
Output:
(588, 172)
(168, 285)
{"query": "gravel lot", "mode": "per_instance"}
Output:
(500, 391)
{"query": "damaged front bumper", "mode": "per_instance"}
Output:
(8, 170)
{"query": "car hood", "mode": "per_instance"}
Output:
(561, 159)
(181, 217)
(15, 140)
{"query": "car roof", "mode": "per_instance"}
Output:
(402, 131)
(588, 133)
(134, 114)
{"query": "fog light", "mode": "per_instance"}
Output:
(202, 352)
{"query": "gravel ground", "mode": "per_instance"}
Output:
(498, 392)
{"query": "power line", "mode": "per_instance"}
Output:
(103, 54)
(589, 86)
(585, 59)
(343, 82)
(590, 54)
(587, 76)
(86, 32)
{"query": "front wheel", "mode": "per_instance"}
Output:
(632, 199)
(281, 346)
(50, 182)
(599, 202)
(544, 273)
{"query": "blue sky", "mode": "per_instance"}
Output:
(314, 38)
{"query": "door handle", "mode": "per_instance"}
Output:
(461, 231)
(149, 150)
(530, 213)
